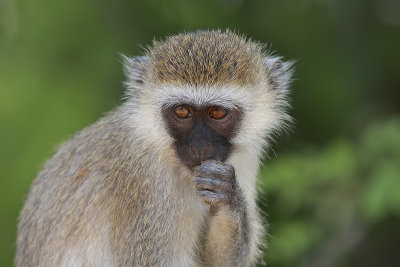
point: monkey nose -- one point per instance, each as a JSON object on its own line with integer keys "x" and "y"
{"x": 204, "y": 151}
{"x": 207, "y": 152}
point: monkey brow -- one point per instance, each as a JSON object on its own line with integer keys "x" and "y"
{"x": 172, "y": 96}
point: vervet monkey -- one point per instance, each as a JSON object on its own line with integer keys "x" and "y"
{"x": 169, "y": 177}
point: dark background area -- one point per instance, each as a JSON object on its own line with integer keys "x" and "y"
{"x": 330, "y": 190}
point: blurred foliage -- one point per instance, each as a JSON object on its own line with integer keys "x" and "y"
{"x": 323, "y": 203}
{"x": 332, "y": 193}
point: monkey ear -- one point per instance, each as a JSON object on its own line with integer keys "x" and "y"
{"x": 134, "y": 69}
{"x": 279, "y": 73}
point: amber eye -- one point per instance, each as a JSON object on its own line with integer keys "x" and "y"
{"x": 182, "y": 111}
{"x": 217, "y": 112}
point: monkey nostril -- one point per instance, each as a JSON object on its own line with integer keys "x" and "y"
{"x": 199, "y": 151}
{"x": 193, "y": 151}
{"x": 207, "y": 152}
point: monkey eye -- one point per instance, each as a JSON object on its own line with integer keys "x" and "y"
{"x": 183, "y": 111}
{"x": 217, "y": 112}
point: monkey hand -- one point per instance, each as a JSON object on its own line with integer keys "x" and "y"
{"x": 216, "y": 184}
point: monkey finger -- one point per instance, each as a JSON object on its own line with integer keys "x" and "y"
{"x": 212, "y": 184}
{"x": 215, "y": 169}
{"x": 212, "y": 198}
{"x": 215, "y": 166}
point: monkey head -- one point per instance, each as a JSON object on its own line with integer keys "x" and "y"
{"x": 208, "y": 94}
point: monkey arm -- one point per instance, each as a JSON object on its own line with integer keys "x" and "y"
{"x": 227, "y": 239}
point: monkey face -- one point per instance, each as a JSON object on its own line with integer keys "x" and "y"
{"x": 202, "y": 133}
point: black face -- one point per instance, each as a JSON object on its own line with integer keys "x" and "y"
{"x": 202, "y": 133}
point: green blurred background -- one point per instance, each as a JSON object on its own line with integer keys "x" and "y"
{"x": 331, "y": 188}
